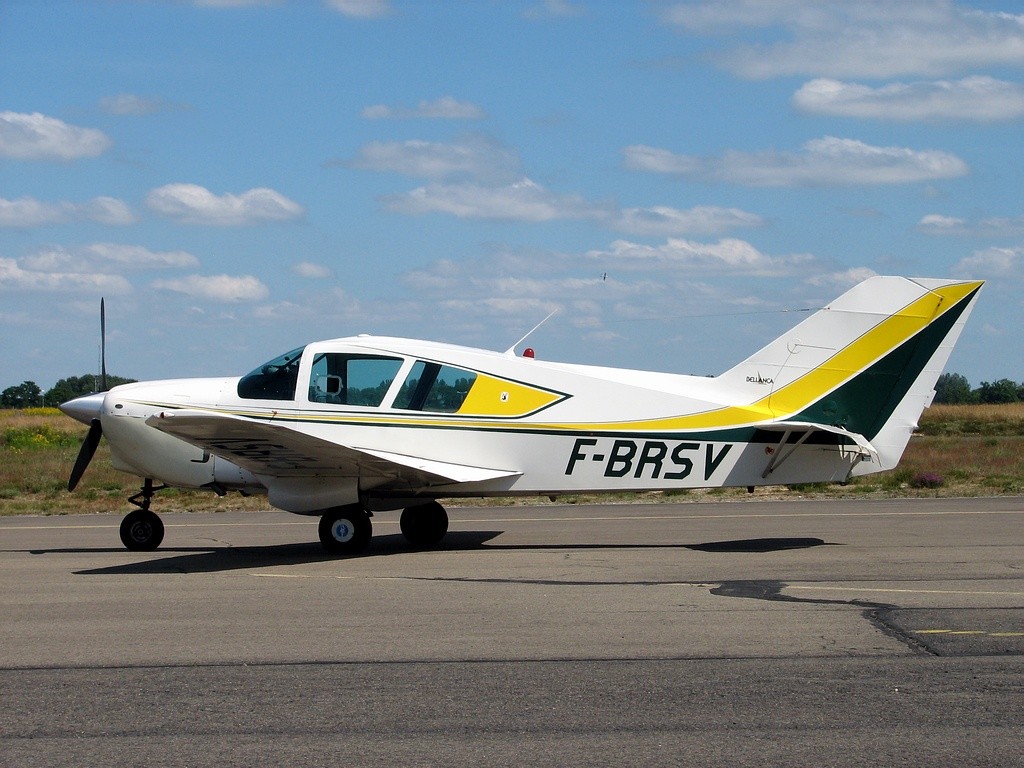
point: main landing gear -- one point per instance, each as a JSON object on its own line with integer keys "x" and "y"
{"x": 142, "y": 530}
{"x": 343, "y": 530}
{"x": 347, "y": 530}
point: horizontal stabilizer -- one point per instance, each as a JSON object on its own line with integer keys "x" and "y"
{"x": 803, "y": 430}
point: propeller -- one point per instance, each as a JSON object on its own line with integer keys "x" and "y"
{"x": 103, "y": 346}
{"x": 87, "y": 409}
{"x": 85, "y": 453}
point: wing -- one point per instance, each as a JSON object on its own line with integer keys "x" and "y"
{"x": 279, "y": 450}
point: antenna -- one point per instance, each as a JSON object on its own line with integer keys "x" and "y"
{"x": 103, "y": 346}
{"x": 511, "y": 350}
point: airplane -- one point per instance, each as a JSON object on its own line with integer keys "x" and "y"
{"x": 345, "y": 428}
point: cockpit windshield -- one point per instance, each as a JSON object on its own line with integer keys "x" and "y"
{"x": 274, "y": 380}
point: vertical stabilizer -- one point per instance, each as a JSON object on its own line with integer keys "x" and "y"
{"x": 866, "y": 363}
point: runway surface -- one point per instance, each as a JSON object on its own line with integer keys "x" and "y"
{"x": 741, "y": 633}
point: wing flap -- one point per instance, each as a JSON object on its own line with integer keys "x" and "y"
{"x": 279, "y": 450}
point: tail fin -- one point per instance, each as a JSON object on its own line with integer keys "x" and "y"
{"x": 866, "y": 363}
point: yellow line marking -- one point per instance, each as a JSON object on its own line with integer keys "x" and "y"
{"x": 908, "y": 591}
{"x": 966, "y": 632}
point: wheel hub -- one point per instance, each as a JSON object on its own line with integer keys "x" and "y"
{"x": 343, "y": 531}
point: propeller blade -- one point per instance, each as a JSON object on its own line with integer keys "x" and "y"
{"x": 103, "y": 346}
{"x": 85, "y": 453}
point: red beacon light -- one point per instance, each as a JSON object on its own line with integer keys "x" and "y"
{"x": 528, "y": 352}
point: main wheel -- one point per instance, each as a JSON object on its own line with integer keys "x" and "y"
{"x": 425, "y": 525}
{"x": 345, "y": 530}
{"x": 142, "y": 530}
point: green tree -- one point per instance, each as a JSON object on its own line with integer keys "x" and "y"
{"x": 24, "y": 395}
{"x": 1001, "y": 391}
{"x": 953, "y": 389}
{"x": 76, "y": 386}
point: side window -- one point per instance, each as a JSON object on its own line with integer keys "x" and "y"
{"x": 344, "y": 379}
{"x": 434, "y": 387}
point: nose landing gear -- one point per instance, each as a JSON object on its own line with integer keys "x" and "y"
{"x": 142, "y": 530}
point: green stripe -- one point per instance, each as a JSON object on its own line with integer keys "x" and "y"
{"x": 865, "y": 403}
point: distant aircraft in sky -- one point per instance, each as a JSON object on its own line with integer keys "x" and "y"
{"x": 345, "y": 428}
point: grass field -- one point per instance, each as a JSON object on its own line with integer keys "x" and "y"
{"x": 963, "y": 450}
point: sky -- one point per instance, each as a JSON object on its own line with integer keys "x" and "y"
{"x": 681, "y": 181}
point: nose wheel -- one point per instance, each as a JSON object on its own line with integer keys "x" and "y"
{"x": 142, "y": 530}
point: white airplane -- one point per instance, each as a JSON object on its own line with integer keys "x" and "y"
{"x": 348, "y": 427}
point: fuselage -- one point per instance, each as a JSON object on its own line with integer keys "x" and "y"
{"x": 553, "y": 428}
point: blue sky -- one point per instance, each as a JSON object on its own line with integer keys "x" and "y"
{"x": 675, "y": 178}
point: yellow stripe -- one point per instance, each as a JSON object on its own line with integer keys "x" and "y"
{"x": 490, "y": 396}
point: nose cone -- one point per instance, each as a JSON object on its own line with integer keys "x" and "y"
{"x": 85, "y": 408}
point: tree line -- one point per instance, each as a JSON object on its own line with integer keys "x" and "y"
{"x": 28, "y": 394}
{"x": 955, "y": 389}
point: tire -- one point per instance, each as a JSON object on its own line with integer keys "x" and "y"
{"x": 345, "y": 530}
{"x": 424, "y": 526}
{"x": 142, "y": 531}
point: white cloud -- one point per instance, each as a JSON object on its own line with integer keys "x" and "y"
{"x": 137, "y": 106}
{"x": 937, "y": 224}
{"x": 473, "y": 157}
{"x": 193, "y": 204}
{"x": 727, "y": 255}
{"x": 138, "y": 257}
{"x": 869, "y": 38}
{"x": 521, "y": 201}
{"x": 639, "y": 157}
{"x": 841, "y": 281}
{"x": 702, "y": 219}
{"x": 978, "y": 98}
{"x": 29, "y": 212}
{"x": 101, "y": 257}
{"x": 217, "y": 287}
{"x": 444, "y": 108}
{"x": 992, "y": 262}
{"x": 106, "y": 210}
{"x": 311, "y": 270}
{"x": 828, "y": 161}
{"x": 993, "y": 226}
{"x": 362, "y": 9}
{"x": 553, "y": 9}
{"x": 14, "y": 276}
{"x": 235, "y": 3}
{"x": 38, "y": 137}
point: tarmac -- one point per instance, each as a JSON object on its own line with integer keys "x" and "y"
{"x": 841, "y": 632}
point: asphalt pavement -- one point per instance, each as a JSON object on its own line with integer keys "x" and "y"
{"x": 740, "y": 633}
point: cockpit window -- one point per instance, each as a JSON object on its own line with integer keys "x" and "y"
{"x": 274, "y": 380}
{"x": 344, "y": 379}
{"x": 434, "y": 387}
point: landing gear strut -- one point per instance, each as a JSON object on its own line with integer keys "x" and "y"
{"x": 142, "y": 530}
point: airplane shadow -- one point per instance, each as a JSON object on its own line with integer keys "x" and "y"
{"x": 186, "y": 560}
